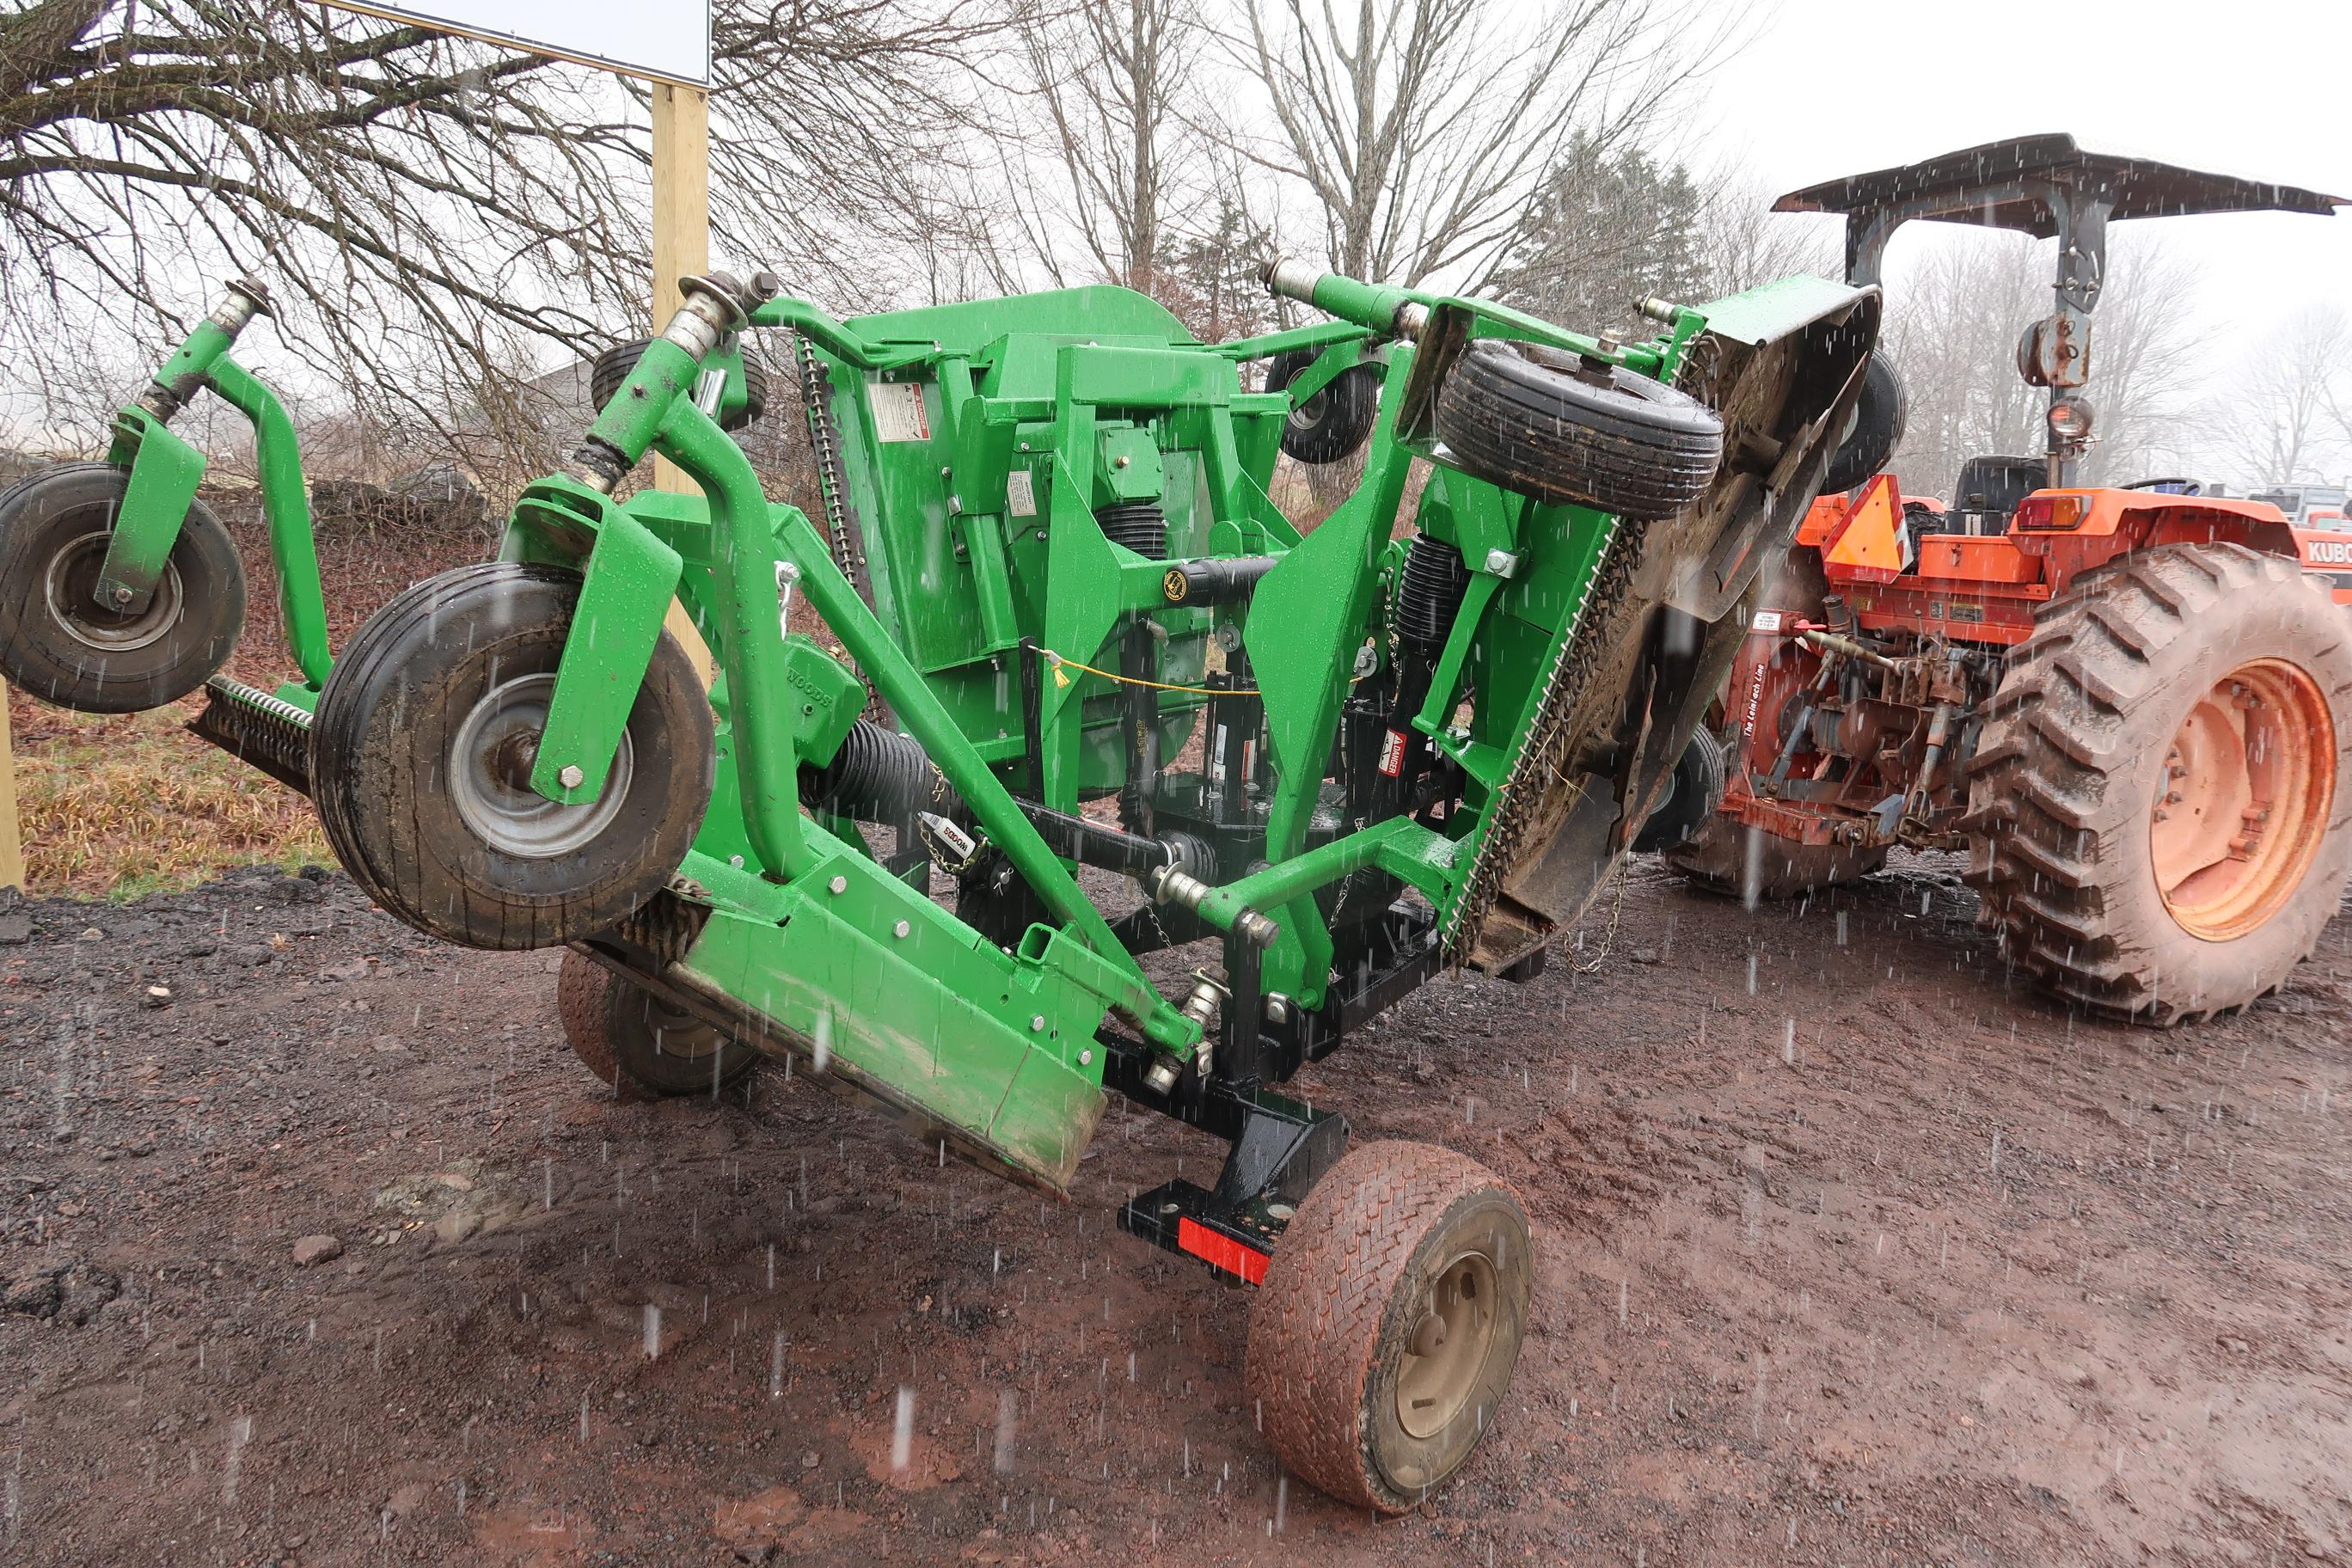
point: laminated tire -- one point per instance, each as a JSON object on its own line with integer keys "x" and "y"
{"x": 1700, "y": 773}
{"x": 612, "y": 367}
{"x": 421, "y": 751}
{"x": 1879, "y": 415}
{"x": 1548, "y": 424}
{"x": 58, "y": 644}
{"x": 1337, "y": 419}
{"x": 629, "y": 1039}
{"x": 1390, "y": 1317}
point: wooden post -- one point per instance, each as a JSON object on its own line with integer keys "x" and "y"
{"x": 681, "y": 248}
{"x": 12, "y": 843}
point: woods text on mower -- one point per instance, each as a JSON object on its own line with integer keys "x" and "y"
{"x": 1046, "y": 550}
{"x": 2130, "y": 705}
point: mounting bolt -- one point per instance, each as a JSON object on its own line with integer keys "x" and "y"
{"x": 838, "y": 885}
{"x": 901, "y": 929}
{"x": 1501, "y": 563}
{"x": 1037, "y": 1022}
{"x": 1277, "y": 1008}
{"x": 736, "y": 861}
{"x": 571, "y": 777}
{"x": 120, "y": 595}
{"x": 1087, "y": 1058}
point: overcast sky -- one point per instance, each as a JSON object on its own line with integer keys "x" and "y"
{"x": 2259, "y": 88}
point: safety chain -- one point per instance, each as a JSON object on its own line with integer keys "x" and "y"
{"x": 825, "y": 447}
{"x": 1608, "y": 940}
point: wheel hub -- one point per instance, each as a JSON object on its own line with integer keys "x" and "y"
{"x": 71, "y": 590}
{"x": 491, "y": 760}
{"x": 1448, "y": 1346}
{"x": 2248, "y": 784}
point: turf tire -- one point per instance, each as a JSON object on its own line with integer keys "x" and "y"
{"x": 383, "y": 766}
{"x": 1335, "y": 1319}
{"x": 55, "y": 641}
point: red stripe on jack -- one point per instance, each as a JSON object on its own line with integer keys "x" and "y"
{"x": 1221, "y": 1251}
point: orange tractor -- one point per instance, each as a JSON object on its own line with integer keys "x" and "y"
{"x": 2131, "y": 706}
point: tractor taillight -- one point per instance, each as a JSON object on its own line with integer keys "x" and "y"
{"x": 2051, "y": 511}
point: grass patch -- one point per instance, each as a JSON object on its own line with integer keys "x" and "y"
{"x": 121, "y": 806}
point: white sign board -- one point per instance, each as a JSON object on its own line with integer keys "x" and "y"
{"x": 668, "y": 42}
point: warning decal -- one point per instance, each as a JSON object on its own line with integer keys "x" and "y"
{"x": 897, "y": 409}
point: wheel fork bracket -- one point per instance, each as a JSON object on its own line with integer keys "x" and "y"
{"x": 164, "y": 474}
{"x": 631, "y": 578}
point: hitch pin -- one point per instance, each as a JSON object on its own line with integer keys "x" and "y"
{"x": 786, "y": 575}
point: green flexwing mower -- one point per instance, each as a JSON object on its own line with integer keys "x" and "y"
{"x": 1073, "y": 648}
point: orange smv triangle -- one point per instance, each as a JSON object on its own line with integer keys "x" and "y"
{"x": 1871, "y": 546}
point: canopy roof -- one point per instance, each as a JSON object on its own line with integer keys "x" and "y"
{"x": 1995, "y": 185}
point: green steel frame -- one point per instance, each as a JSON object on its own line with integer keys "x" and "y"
{"x": 979, "y": 445}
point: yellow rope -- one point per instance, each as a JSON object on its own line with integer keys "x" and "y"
{"x": 1060, "y": 659}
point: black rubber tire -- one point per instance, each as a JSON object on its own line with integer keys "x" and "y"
{"x": 1340, "y": 1305}
{"x": 2075, "y": 749}
{"x": 1879, "y": 416}
{"x": 1337, "y": 420}
{"x": 611, "y": 368}
{"x": 1699, "y": 778}
{"x": 56, "y": 644}
{"x": 1534, "y": 420}
{"x": 627, "y": 1038}
{"x": 383, "y": 771}
{"x": 1736, "y": 861}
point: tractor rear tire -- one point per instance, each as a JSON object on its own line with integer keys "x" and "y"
{"x": 1545, "y": 423}
{"x": 423, "y": 744}
{"x": 1746, "y": 863}
{"x": 56, "y": 641}
{"x": 1384, "y": 1335}
{"x": 1337, "y": 419}
{"x": 632, "y": 1040}
{"x": 2155, "y": 822}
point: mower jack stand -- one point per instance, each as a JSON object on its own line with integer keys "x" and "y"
{"x": 1280, "y": 1148}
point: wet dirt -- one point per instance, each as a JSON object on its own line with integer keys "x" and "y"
{"x": 1850, "y": 1252}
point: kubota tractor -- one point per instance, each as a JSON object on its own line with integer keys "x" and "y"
{"x": 2130, "y": 705}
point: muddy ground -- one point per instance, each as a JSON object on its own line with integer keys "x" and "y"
{"x": 1850, "y": 1253}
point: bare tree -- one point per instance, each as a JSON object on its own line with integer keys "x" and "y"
{"x": 1420, "y": 128}
{"x": 1743, "y": 243}
{"x": 1953, "y": 320}
{"x": 1112, "y": 79}
{"x": 438, "y": 216}
{"x": 2282, "y": 422}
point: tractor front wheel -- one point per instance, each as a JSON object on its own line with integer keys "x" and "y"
{"x": 2155, "y": 820}
{"x": 422, "y": 750}
{"x": 59, "y": 644}
{"x": 633, "y": 1040}
{"x": 1384, "y": 1335}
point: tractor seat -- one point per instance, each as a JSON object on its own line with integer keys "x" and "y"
{"x": 1989, "y": 489}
